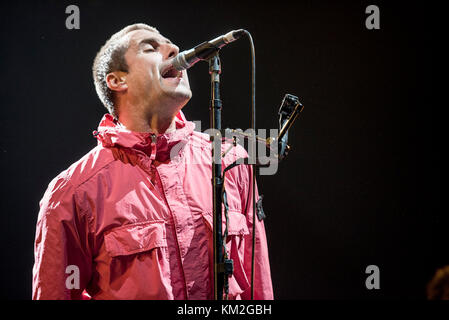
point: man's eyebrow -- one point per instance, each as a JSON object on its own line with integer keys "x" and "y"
{"x": 153, "y": 41}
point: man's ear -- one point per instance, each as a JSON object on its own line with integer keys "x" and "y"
{"x": 116, "y": 81}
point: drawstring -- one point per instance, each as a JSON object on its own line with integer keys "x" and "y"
{"x": 153, "y": 147}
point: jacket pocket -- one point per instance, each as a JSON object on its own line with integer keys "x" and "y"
{"x": 135, "y": 238}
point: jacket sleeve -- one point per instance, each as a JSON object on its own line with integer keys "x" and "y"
{"x": 62, "y": 258}
{"x": 263, "y": 289}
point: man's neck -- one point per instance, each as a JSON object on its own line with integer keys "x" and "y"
{"x": 154, "y": 123}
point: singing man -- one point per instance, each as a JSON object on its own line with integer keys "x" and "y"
{"x": 132, "y": 219}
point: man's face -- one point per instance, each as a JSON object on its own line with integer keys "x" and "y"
{"x": 150, "y": 80}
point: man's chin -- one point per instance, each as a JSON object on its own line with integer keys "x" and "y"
{"x": 181, "y": 94}
{"x": 175, "y": 100}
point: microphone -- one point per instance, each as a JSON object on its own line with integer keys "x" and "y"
{"x": 203, "y": 51}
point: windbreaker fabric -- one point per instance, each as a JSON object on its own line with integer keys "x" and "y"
{"x": 134, "y": 217}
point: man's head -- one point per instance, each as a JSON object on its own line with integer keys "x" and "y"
{"x": 132, "y": 69}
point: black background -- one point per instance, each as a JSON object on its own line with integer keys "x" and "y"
{"x": 361, "y": 185}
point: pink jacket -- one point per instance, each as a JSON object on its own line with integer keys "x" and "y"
{"x": 138, "y": 225}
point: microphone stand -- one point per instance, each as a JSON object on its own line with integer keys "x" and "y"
{"x": 223, "y": 268}
{"x": 290, "y": 108}
{"x": 217, "y": 178}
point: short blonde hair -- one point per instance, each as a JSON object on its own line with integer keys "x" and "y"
{"x": 110, "y": 58}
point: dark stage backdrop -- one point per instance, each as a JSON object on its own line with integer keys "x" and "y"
{"x": 361, "y": 184}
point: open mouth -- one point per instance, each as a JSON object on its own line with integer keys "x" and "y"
{"x": 171, "y": 72}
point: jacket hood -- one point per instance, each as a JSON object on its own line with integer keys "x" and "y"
{"x": 111, "y": 133}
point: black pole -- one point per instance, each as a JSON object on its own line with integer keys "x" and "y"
{"x": 217, "y": 178}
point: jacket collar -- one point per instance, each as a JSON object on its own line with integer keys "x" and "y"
{"x": 111, "y": 133}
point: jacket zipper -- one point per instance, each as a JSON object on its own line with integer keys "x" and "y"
{"x": 178, "y": 250}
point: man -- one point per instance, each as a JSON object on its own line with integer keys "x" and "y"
{"x": 132, "y": 219}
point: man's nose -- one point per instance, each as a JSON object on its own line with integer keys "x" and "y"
{"x": 171, "y": 50}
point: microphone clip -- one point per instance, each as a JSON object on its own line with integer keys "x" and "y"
{"x": 206, "y": 50}
{"x": 289, "y": 111}
{"x": 278, "y": 146}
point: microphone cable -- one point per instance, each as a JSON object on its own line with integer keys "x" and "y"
{"x": 253, "y": 166}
